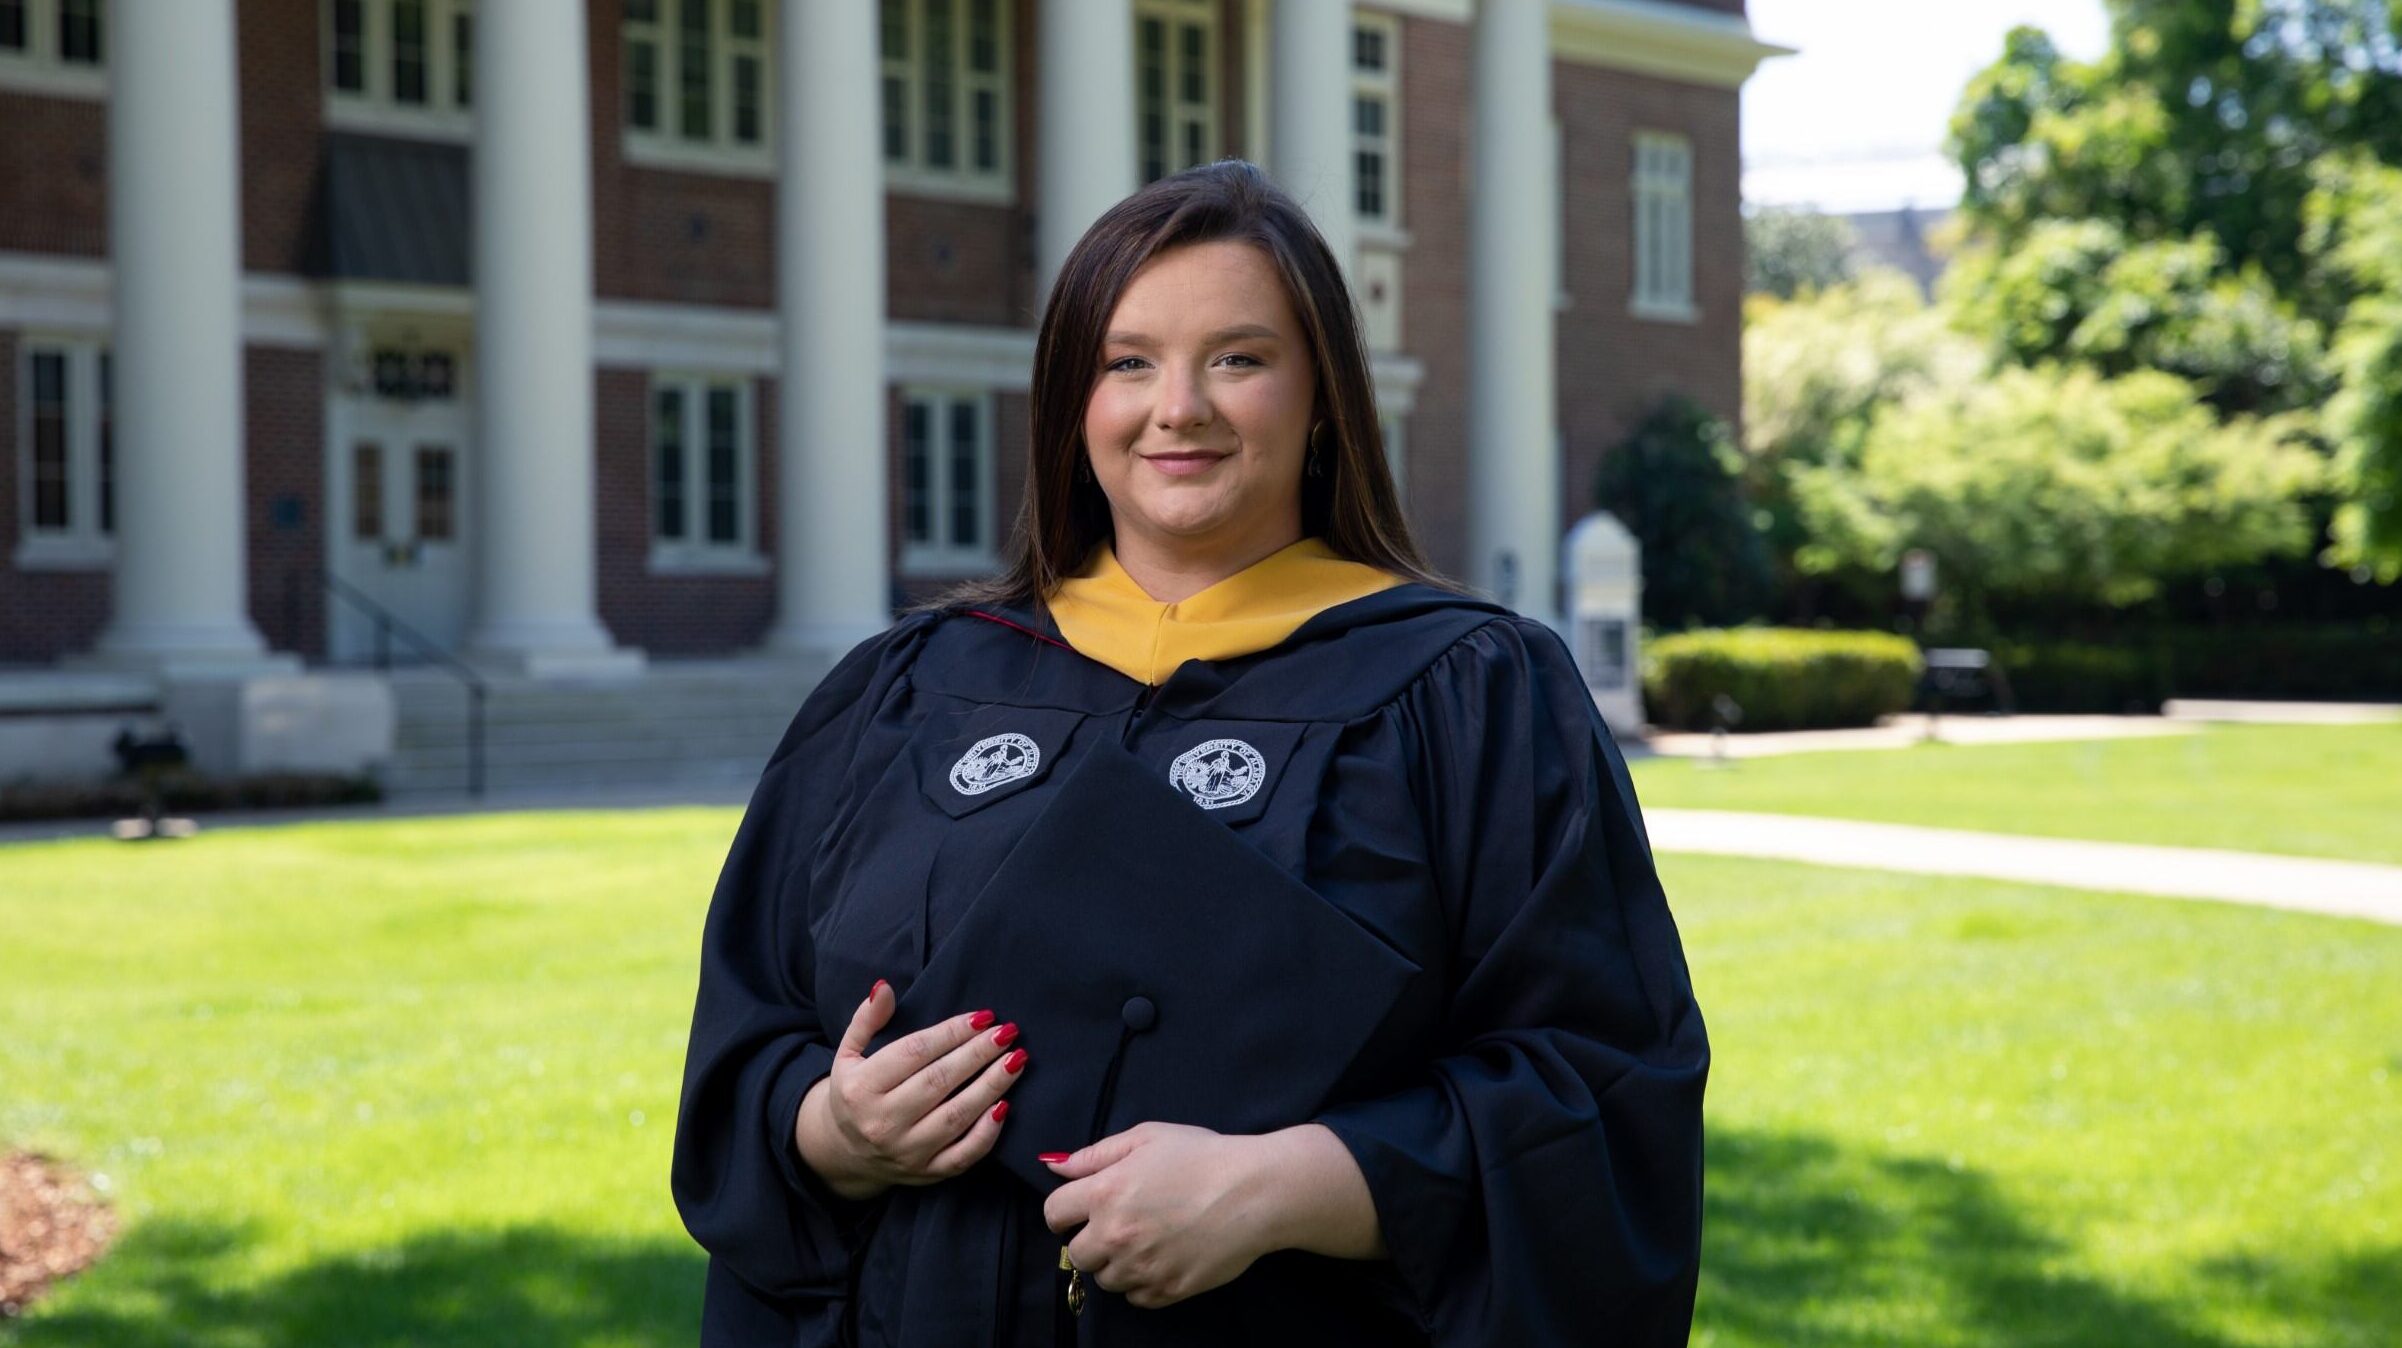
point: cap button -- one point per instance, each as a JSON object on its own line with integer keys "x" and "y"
{"x": 1140, "y": 1014}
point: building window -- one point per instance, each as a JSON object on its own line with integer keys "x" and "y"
{"x": 54, "y": 46}
{"x": 1175, "y": 85}
{"x": 400, "y": 65}
{"x": 703, "y": 441}
{"x": 947, "y": 481}
{"x": 66, "y": 458}
{"x": 946, "y": 95}
{"x": 1663, "y": 200}
{"x": 1375, "y": 112}
{"x": 698, "y": 86}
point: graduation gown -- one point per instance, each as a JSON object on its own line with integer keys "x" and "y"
{"x": 1387, "y": 875}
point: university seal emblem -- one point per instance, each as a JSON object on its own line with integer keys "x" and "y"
{"x": 995, "y": 760}
{"x": 1219, "y": 773}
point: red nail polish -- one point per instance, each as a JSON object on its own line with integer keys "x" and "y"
{"x": 1000, "y": 1111}
{"x": 879, "y": 987}
{"x": 979, "y": 1020}
{"x": 1052, "y": 1157}
{"x": 1005, "y": 1034}
{"x": 1014, "y": 1063}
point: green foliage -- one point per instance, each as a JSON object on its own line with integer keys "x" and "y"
{"x": 1815, "y": 373}
{"x": 2057, "y": 483}
{"x": 1673, "y": 484}
{"x": 1791, "y": 251}
{"x": 2079, "y": 290}
{"x": 1781, "y": 678}
{"x": 2205, "y": 116}
{"x": 2357, "y": 234}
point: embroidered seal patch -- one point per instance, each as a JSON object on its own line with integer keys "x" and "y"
{"x": 1219, "y": 773}
{"x": 995, "y": 760}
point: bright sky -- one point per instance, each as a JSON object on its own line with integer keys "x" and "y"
{"x": 1855, "y": 121}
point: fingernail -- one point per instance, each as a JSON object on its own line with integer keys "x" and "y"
{"x": 979, "y": 1020}
{"x": 1015, "y": 1062}
{"x": 1049, "y": 1157}
{"x": 879, "y": 987}
{"x": 1000, "y": 1111}
{"x": 1005, "y": 1034}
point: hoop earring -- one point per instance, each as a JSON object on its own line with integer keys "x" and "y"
{"x": 1312, "y": 463}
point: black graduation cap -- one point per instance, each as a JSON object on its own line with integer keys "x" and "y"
{"x": 1158, "y": 967}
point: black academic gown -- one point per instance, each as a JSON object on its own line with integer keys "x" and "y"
{"x": 1388, "y": 875}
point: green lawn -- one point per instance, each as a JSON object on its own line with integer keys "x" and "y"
{"x": 2323, "y": 791}
{"x": 414, "y": 1082}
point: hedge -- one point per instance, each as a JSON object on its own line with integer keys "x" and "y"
{"x": 1781, "y": 678}
{"x": 183, "y": 790}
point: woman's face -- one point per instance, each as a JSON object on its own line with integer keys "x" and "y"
{"x": 1201, "y": 411}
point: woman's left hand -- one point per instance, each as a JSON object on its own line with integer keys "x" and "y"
{"x": 1169, "y": 1210}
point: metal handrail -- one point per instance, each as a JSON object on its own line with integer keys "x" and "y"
{"x": 386, "y": 624}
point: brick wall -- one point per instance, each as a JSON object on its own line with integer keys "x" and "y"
{"x": 53, "y": 175}
{"x": 1613, "y": 365}
{"x": 282, "y": 97}
{"x": 283, "y": 400}
{"x": 1434, "y": 283}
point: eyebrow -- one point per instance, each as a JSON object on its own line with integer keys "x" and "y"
{"x": 1211, "y": 339}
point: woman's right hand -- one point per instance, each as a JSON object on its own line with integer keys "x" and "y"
{"x": 892, "y": 1117}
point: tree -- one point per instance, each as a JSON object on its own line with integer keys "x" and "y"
{"x": 2204, "y": 116}
{"x": 1672, "y": 483}
{"x": 2080, "y": 290}
{"x": 2056, "y": 484}
{"x": 1790, "y": 251}
{"x": 1817, "y": 370}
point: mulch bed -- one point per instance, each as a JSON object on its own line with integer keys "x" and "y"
{"x": 52, "y": 1226}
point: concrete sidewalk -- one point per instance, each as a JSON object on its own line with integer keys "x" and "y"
{"x": 2303, "y": 884}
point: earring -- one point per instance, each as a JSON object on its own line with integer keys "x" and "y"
{"x": 1084, "y": 469}
{"x": 1310, "y": 465}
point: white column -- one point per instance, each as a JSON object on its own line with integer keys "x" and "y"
{"x": 1309, "y": 69}
{"x": 1514, "y": 525}
{"x": 534, "y": 597}
{"x": 832, "y": 567}
{"x": 175, "y": 245}
{"x": 1085, "y": 69}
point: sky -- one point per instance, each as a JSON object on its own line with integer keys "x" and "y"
{"x": 1856, "y": 120}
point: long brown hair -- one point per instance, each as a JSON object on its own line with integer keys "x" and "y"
{"x": 1352, "y": 504}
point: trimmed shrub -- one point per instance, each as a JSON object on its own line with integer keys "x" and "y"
{"x": 1782, "y": 678}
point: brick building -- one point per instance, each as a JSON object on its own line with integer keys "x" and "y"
{"x": 451, "y": 221}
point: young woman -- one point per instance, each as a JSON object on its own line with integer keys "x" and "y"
{"x": 1218, "y": 927}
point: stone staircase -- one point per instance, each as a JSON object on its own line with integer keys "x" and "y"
{"x": 677, "y": 725}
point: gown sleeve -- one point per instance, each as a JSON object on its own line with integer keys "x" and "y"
{"x": 757, "y": 1043}
{"x": 1538, "y": 1181}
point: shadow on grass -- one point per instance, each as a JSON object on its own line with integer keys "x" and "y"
{"x": 523, "y": 1285}
{"x": 1808, "y": 1242}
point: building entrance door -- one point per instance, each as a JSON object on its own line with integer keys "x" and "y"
{"x": 399, "y": 482}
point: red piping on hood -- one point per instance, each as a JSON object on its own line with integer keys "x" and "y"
{"x": 994, "y": 617}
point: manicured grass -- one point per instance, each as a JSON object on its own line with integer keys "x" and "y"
{"x": 414, "y": 1082}
{"x": 2323, "y": 791}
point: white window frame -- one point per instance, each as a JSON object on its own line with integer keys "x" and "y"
{"x": 441, "y": 116}
{"x": 1180, "y": 115}
{"x": 941, "y": 557}
{"x": 1661, "y": 286}
{"x": 695, "y": 552}
{"x": 961, "y": 181}
{"x": 1383, "y": 86}
{"x": 81, "y": 545}
{"x": 666, "y": 146}
{"x": 40, "y": 68}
